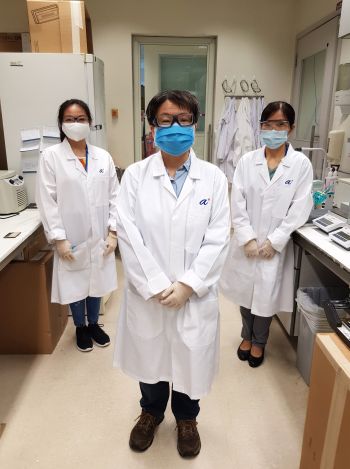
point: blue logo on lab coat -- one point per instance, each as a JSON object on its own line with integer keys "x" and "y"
{"x": 289, "y": 182}
{"x": 204, "y": 202}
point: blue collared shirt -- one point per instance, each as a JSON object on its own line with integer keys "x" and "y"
{"x": 179, "y": 179}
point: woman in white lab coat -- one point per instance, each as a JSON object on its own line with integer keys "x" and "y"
{"x": 76, "y": 195}
{"x": 173, "y": 231}
{"x": 271, "y": 198}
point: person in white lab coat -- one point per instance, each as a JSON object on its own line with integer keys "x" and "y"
{"x": 271, "y": 198}
{"x": 76, "y": 196}
{"x": 173, "y": 231}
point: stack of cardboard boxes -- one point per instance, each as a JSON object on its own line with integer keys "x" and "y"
{"x": 59, "y": 26}
{"x": 327, "y": 426}
{"x": 54, "y": 26}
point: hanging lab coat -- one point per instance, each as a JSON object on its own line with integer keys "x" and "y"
{"x": 162, "y": 239}
{"x": 256, "y": 108}
{"x": 244, "y": 139}
{"x": 79, "y": 206}
{"x": 225, "y": 134}
{"x": 264, "y": 209}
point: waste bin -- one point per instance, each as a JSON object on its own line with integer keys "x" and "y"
{"x": 313, "y": 320}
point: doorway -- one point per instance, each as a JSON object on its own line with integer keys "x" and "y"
{"x": 161, "y": 63}
{"x": 313, "y": 88}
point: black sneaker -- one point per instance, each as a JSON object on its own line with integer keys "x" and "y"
{"x": 99, "y": 336}
{"x": 84, "y": 342}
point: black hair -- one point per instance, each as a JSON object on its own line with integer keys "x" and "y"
{"x": 183, "y": 99}
{"x": 66, "y": 105}
{"x": 275, "y": 106}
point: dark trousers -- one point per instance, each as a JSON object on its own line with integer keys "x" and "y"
{"x": 155, "y": 398}
{"x": 255, "y": 328}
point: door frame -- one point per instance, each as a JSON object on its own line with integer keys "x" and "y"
{"x": 327, "y": 117}
{"x": 211, "y": 43}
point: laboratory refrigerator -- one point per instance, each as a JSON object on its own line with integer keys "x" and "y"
{"x": 32, "y": 87}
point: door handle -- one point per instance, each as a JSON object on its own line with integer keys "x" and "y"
{"x": 210, "y": 143}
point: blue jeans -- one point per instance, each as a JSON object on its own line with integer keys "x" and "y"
{"x": 92, "y": 306}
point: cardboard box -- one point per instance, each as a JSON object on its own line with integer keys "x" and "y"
{"x": 327, "y": 426}
{"x": 14, "y": 42}
{"x": 30, "y": 323}
{"x": 59, "y": 26}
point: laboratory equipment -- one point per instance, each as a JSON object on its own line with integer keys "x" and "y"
{"x": 333, "y": 155}
{"x": 340, "y": 326}
{"x": 342, "y": 237}
{"x": 342, "y": 99}
{"x": 342, "y": 196}
{"x": 13, "y": 194}
{"x": 32, "y": 87}
{"x": 329, "y": 222}
{"x": 335, "y": 146}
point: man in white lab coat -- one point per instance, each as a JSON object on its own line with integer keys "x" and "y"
{"x": 271, "y": 198}
{"x": 173, "y": 230}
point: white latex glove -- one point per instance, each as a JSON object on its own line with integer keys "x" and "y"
{"x": 176, "y": 295}
{"x": 251, "y": 248}
{"x": 111, "y": 244}
{"x": 266, "y": 250}
{"x": 64, "y": 249}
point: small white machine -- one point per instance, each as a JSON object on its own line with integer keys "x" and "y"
{"x": 329, "y": 222}
{"x": 13, "y": 194}
{"x": 342, "y": 192}
{"x": 342, "y": 237}
{"x": 342, "y": 99}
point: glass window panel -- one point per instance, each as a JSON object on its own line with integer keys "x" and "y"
{"x": 310, "y": 94}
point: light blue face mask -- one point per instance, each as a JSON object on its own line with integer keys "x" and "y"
{"x": 273, "y": 138}
{"x": 174, "y": 140}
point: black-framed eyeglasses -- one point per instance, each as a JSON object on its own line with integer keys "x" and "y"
{"x": 79, "y": 119}
{"x": 184, "y": 119}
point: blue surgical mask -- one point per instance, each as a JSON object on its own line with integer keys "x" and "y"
{"x": 174, "y": 140}
{"x": 273, "y": 138}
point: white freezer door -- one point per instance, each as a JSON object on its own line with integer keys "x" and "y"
{"x": 32, "y": 87}
{"x": 96, "y": 100}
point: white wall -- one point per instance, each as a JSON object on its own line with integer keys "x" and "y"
{"x": 309, "y": 12}
{"x": 254, "y": 38}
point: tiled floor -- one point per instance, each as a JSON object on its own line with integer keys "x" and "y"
{"x": 73, "y": 410}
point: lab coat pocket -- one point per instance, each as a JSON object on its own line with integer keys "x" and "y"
{"x": 197, "y": 224}
{"x": 101, "y": 191}
{"x": 280, "y": 209}
{"x": 198, "y": 322}
{"x": 144, "y": 318}
{"x": 81, "y": 259}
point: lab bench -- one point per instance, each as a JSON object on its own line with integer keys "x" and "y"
{"x": 28, "y": 224}
{"x": 328, "y": 265}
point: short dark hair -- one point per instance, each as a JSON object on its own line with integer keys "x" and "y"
{"x": 275, "y": 106}
{"x": 183, "y": 99}
{"x": 66, "y": 105}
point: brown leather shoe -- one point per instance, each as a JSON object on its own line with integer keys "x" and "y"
{"x": 188, "y": 440}
{"x": 141, "y": 436}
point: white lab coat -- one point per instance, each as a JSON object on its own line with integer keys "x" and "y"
{"x": 80, "y": 207}
{"x": 162, "y": 239}
{"x": 264, "y": 209}
{"x": 244, "y": 139}
{"x": 225, "y": 134}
